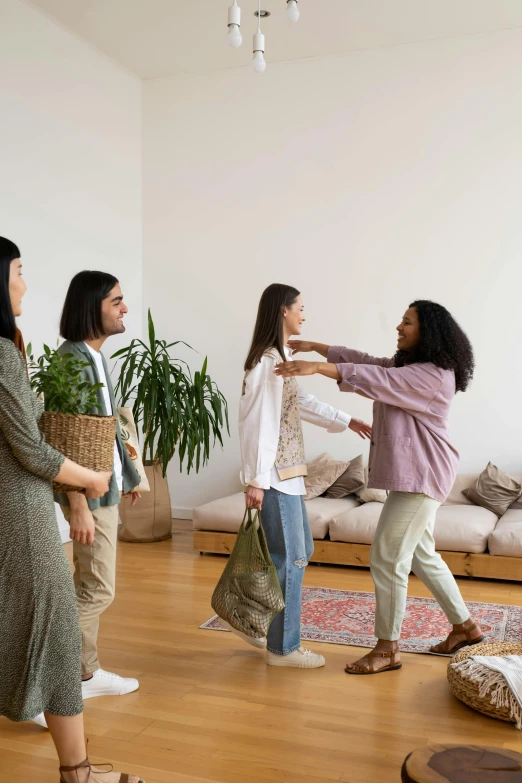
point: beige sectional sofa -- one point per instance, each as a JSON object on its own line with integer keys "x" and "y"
{"x": 472, "y": 540}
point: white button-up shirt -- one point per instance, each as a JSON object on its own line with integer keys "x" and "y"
{"x": 259, "y": 424}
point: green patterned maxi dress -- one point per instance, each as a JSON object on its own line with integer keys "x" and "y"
{"x": 40, "y": 640}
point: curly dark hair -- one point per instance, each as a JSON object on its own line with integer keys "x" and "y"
{"x": 442, "y": 342}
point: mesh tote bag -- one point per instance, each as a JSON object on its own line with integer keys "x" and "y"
{"x": 248, "y": 595}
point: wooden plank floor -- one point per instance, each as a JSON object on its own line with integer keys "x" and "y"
{"x": 209, "y": 710}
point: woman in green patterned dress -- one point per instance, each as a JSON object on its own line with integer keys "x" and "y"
{"x": 40, "y": 640}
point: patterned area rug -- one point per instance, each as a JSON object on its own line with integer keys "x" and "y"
{"x": 346, "y": 617}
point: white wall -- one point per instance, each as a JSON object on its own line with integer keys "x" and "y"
{"x": 366, "y": 180}
{"x": 70, "y": 192}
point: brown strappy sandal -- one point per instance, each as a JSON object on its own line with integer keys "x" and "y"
{"x": 124, "y": 778}
{"x": 449, "y": 652}
{"x": 369, "y": 668}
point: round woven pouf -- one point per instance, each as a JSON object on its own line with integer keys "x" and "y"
{"x": 468, "y": 692}
{"x": 462, "y": 764}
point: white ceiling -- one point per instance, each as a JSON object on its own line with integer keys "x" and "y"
{"x": 156, "y": 38}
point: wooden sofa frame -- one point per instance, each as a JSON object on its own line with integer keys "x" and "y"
{"x": 340, "y": 553}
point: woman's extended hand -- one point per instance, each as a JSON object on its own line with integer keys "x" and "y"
{"x": 254, "y": 497}
{"x": 304, "y": 346}
{"x": 289, "y": 369}
{"x": 361, "y": 428}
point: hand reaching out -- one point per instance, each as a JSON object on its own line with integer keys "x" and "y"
{"x": 305, "y": 346}
{"x": 361, "y": 428}
{"x": 300, "y": 346}
{"x": 289, "y": 369}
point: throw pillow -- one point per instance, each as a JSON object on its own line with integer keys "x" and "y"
{"x": 371, "y": 495}
{"x": 323, "y": 471}
{"x": 349, "y": 482}
{"x": 517, "y": 504}
{"x": 494, "y": 490}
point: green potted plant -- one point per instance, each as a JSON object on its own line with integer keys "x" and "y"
{"x": 177, "y": 412}
{"x": 65, "y": 423}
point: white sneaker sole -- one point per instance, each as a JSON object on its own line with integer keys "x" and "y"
{"x": 94, "y": 693}
{"x": 253, "y": 641}
{"x": 284, "y": 660}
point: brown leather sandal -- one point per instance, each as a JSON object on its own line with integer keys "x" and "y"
{"x": 124, "y": 778}
{"x": 448, "y": 652}
{"x": 369, "y": 668}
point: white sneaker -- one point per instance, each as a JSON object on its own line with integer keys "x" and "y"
{"x": 104, "y": 683}
{"x": 299, "y": 659}
{"x": 254, "y": 641}
{"x": 40, "y": 720}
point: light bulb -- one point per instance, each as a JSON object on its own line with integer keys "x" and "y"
{"x": 234, "y": 37}
{"x": 259, "y": 62}
{"x": 292, "y": 11}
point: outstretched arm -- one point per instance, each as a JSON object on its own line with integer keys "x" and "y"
{"x": 304, "y": 346}
{"x": 336, "y": 354}
{"x": 299, "y": 368}
{"x": 333, "y": 420}
{"x": 412, "y": 387}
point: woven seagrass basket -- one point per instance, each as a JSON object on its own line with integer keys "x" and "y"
{"x": 85, "y": 439}
{"x": 468, "y": 692}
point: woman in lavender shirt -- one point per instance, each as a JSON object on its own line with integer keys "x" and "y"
{"x": 411, "y": 456}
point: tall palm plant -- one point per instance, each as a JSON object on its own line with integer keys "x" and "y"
{"x": 175, "y": 410}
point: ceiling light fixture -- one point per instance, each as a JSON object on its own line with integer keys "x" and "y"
{"x": 292, "y": 10}
{"x": 235, "y": 39}
{"x": 259, "y": 62}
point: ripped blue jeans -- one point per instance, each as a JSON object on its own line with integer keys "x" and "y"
{"x": 291, "y": 545}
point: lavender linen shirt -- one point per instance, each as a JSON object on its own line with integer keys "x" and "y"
{"x": 410, "y": 448}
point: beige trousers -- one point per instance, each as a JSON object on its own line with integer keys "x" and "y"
{"x": 95, "y": 580}
{"x": 404, "y": 542}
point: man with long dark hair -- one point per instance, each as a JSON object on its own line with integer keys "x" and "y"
{"x": 93, "y": 311}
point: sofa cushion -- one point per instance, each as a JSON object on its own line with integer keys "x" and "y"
{"x": 226, "y": 514}
{"x": 456, "y": 496}
{"x": 494, "y": 490}
{"x": 323, "y": 471}
{"x": 358, "y": 525}
{"x": 506, "y": 539}
{"x": 462, "y": 528}
{"x": 349, "y": 482}
{"x": 321, "y": 511}
{"x": 366, "y": 495}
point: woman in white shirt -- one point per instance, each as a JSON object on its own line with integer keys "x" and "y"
{"x": 273, "y": 463}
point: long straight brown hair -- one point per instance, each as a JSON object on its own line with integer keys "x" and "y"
{"x": 268, "y": 331}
